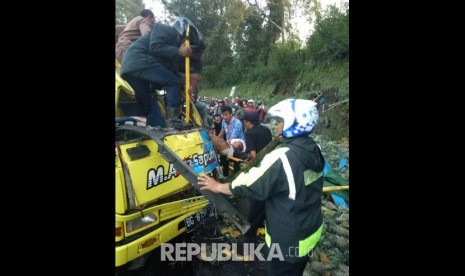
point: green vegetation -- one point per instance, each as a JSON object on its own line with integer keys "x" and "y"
{"x": 125, "y": 10}
{"x": 319, "y": 68}
{"x": 255, "y": 49}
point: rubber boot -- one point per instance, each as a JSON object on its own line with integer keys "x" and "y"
{"x": 173, "y": 121}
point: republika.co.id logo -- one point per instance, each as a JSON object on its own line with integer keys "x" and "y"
{"x": 217, "y": 252}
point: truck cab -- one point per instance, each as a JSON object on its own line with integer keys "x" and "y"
{"x": 153, "y": 199}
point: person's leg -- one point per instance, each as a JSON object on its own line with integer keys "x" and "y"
{"x": 146, "y": 102}
{"x": 202, "y": 109}
{"x": 163, "y": 76}
{"x": 220, "y": 145}
{"x": 172, "y": 83}
{"x": 237, "y": 167}
{"x": 142, "y": 90}
{"x": 194, "y": 78}
{"x": 278, "y": 268}
{"x": 225, "y": 164}
{"x": 156, "y": 115}
{"x": 223, "y": 148}
{"x": 155, "y": 118}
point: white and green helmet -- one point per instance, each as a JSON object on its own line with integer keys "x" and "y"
{"x": 300, "y": 116}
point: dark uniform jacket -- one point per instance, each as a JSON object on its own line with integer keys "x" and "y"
{"x": 290, "y": 179}
{"x": 159, "y": 47}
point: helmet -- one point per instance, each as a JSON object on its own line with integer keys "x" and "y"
{"x": 180, "y": 24}
{"x": 300, "y": 116}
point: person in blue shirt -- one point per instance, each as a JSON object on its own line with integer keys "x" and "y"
{"x": 231, "y": 128}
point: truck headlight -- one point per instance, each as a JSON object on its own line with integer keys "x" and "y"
{"x": 140, "y": 222}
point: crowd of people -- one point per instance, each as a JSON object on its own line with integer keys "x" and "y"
{"x": 233, "y": 119}
{"x": 214, "y": 106}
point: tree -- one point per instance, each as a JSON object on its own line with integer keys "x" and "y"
{"x": 126, "y": 10}
{"x": 216, "y": 21}
{"x": 280, "y": 13}
{"x": 330, "y": 40}
{"x": 248, "y": 40}
{"x": 285, "y": 63}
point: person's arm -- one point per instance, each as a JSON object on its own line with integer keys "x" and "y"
{"x": 221, "y": 134}
{"x": 197, "y": 50}
{"x": 259, "y": 183}
{"x": 118, "y": 30}
{"x": 145, "y": 26}
{"x": 208, "y": 183}
{"x": 252, "y": 155}
{"x": 250, "y": 143}
{"x": 184, "y": 51}
{"x": 196, "y": 65}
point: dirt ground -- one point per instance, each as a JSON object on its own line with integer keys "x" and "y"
{"x": 330, "y": 256}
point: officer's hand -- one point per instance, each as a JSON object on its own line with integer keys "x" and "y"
{"x": 185, "y": 51}
{"x": 208, "y": 183}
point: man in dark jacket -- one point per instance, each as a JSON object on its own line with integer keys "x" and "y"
{"x": 154, "y": 58}
{"x": 290, "y": 180}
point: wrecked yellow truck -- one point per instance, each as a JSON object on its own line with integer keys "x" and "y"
{"x": 156, "y": 193}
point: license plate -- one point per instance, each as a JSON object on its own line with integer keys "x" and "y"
{"x": 193, "y": 221}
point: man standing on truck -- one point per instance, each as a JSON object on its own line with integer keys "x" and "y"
{"x": 137, "y": 27}
{"x": 290, "y": 180}
{"x": 154, "y": 58}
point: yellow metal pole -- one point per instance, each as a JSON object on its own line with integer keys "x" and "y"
{"x": 334, "y": 188}
{"x": 188, "y": 79}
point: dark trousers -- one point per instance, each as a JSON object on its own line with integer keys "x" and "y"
{"x": 203, "y": 112}
{"x": 162, "y": 76}
{"x": 147, "y": 101}
{"x": 255, "y": 215}
{"x": 225, "y": 164}
{"x": 237, "y": 167}
{"x": 278, "y": 268}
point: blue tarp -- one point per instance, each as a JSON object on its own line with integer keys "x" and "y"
{"x": 333, "y": 178}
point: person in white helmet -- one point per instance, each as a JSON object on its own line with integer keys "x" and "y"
{"x": 290, "y": 180}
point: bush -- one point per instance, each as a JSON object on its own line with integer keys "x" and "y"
{"x": 330, "y": 40}
{"x": 285, "y": 62}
